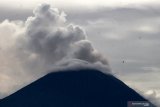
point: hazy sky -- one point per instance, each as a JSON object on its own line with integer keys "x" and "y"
{"x": 75, "y": 3}
{"x": 125, "y": 31}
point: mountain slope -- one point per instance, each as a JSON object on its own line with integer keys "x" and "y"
{"x": 81, "y": 88}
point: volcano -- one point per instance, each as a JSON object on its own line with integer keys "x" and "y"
{"x": 74, "y": 88}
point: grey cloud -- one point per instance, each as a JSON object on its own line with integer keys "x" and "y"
{"x": 87, "y": 52}
{"x": 118, "y": 15}
{"x": 14, "y": 14}
{"x": 129, "y": 37}
{"x": 48, "y": 36}
{"x": 123, "y": 40}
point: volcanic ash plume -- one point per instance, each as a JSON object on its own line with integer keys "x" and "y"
{"x": 45, "y": 41}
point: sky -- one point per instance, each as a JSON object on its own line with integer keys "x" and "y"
{"x": 125, "y": 32}
{"x": 73, "y": 3}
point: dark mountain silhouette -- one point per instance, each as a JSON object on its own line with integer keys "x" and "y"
{"x": 74, "y": 88}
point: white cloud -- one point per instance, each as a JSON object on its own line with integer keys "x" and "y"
{"x": 148, "y": 29}
{"x": 152, "y": 69}
{"x": 154, "y": 97}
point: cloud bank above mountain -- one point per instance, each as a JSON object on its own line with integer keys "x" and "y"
{"x": 45, "y": 41}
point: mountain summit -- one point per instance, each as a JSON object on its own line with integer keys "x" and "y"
{"x": 74, "y": 88}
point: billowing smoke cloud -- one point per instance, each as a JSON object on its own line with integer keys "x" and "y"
{"x": 45, "y": 41}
